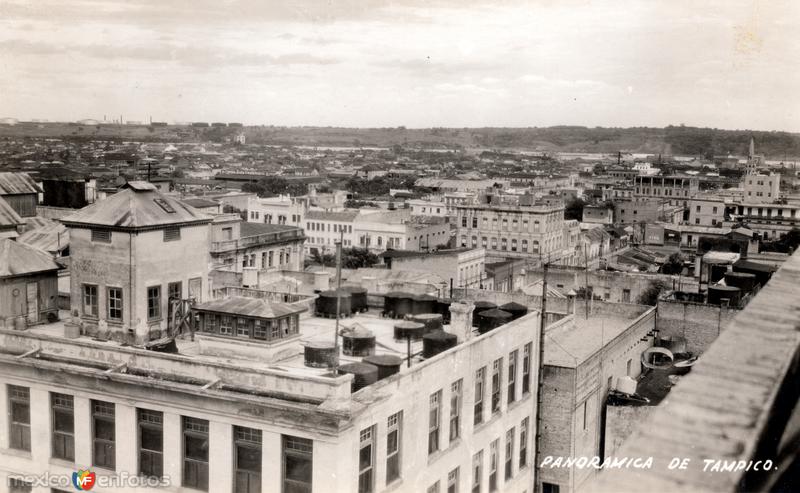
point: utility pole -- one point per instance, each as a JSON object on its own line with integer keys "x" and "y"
{"x": 540, "y": 388}
{"x": 338, "y": 298}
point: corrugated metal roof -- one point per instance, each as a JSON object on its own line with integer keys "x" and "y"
{"x": 344, "y": 216}
{"x": 249, "y": 307}
{"x": 17, "y": 259}
{"x": 17, "y": 183}
{"x": 134, "y": 208}
{"x": 46, "y": 235}
{"x": 8, "y": 216}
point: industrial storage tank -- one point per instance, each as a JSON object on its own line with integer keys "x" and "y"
{"x": 436, "y": 342}
{"x": 516, "y": 310}
{"x": 431, "y": 321}
{"x": 358, "y": 298}
{"x": 491, "y": 319}
{"x": 423, "y": 303}
{"x": 387, "y": 364}
{"x": 443, "y": 309}
{"x": 363, "y": 374}
{"x": 481, "y": 306}
{"x": 404, "y": 305}
{"x": 742, "y": 280}
{"x": 414, "y": 330}
{"x": 358, "y": 341}
{"x": 325, "y": 305}
{"x": 390, "y": 303}
{"x": 319, "y": 354}
{"x": 717, "y": 293}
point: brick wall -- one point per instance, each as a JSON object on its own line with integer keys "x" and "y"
{"x": 699, "y": 323}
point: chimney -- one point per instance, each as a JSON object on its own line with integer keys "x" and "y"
{"x": 461, "y": 320}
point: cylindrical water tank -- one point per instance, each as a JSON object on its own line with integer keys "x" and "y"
{"x": 363, "y": 374}
{"x": 742, "y": 280}
{"x": 387, "y": 364}
{"x": 390, "y": 303}
{"x": 431, "y": 321}
{"x": 718, "y": 293}
{"x": 404, "y": 305}
{"x": 436, "y": 342}
{"x": 516, "y": 310}
{"x": 319, "y": 354}
{"x": 481, "y": 306}
{"x": 423, "y": 303}
{"x": 326, "y": 303}
{"x": 491, "y": 319}
{"x": 676, "y": 344}
{"x": 405, "y": 329}
{"x": 443, "y": 309}
{"x": 358, "y": 298}
{"x": 358, "y": 342}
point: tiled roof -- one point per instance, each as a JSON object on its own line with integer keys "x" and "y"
{"x": 138, "y": 206}
{"x": 17, "y": 259}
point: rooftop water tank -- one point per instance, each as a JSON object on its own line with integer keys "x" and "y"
{"x": 363, "y": 374}
{"x": 742, "y": 280}
{"x": 387, "y": 364}
{"x": 436, "y": 342}
{"x": 491, "y": 319}
{"x": 431, "y": 321}
{"x": 326, "y": 303}
{"x": 358, "y": 301}
{"x": 358, "y": 341}
{"x": 423, "y": 303}
{"x": 516, "y": 310}
{"x": 481, "y": 306}
{"x": 405, "y": 329}
{"x": 716, "y": 295}
{"x": 319, "y": 354}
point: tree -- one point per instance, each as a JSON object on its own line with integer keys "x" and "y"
{"x": 357, "y": 258}
{"x": 574, "y": 209}
{"x": 673, "y": 265}
{"x": 650, "y": 295}
{"x": 275, "y": 185}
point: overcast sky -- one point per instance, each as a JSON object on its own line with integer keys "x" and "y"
{"x": 457, "y": 63}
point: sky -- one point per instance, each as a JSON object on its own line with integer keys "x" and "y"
{"x": 731, "y": 64}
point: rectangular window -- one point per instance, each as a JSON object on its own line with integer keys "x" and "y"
{"x": 101, "y": 236}
{"x": 523, "y": 443}
{"x": 154, "y": 303}
{"x": 512, "y": 376}
{"x": 115, "y": 304}
{"x": 493, "y": 451}
{"x": 260, "y": 329}
{"x": 526, "y": 369}
{"x": 19, "y": 413}
{"x": 477, "y": 472}
{"x": 175, "y": 290}
{"x": 151, "y": 442}
{"x": 195, "y": 453}
{"x": 455, "y": 409}
{"x": 247, "y": 460}
{"x": 63, "y": 409}
{"x": 393, "y": 439}
{"x": 103, "y": 434}
{"x": 243, "y": 327}
{"x": 433, "y": 421}
{"x": 509, "y": 466}
{"x": 172, "y": 234}
{"x": 480, "y": 384}
{"x": 550, "y": 488}
{"x": 366, "y": 460}
{"x": 497, "y": 369}
{"x": 226, "y": 325}
{"x": 298, "y": 462}
{"x": 626, "y": 295}
{"x": 90, "y": 300}
{"x": 452, "y": 481}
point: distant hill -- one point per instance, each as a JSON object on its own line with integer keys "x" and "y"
{"x": 675, "y": 140}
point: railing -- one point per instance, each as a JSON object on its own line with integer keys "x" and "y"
{"x": 736, "y": 406}
{"x": 262, "y": 239}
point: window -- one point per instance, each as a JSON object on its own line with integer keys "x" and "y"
{"x": 115, "y": 304}
{"x": 628, "y": 368}
{"x": 626, "y": 295}
{"x": 463, "y": 221}
{"x": 526, "y": 369}
{"x": 513, "y": 245}
{"x": 247, "y": 460}
{"x": 509, "y": 466}
{"x": 260, "y": 329}
{"x": 433, "y": 422}
{"x": 523, "y": 443}
{"x": 524, "y": 245}
{"x": 175, "y": 290}
{"x": 63, "y": 408}
{"x": 584, "y": 415}
{"x": 366, "y": 460}
{"x": 393, "y": 437}
{"x": 104, "y": 436}
{"x": 101, "y": 236}
{"x": 493, "y": 464}
{"x": 480, "y": 383}
{"x": 477, "y": 472}
{"x": 474, "y": 222}
{"x": 90, "y": 300}
{"x": 244, "y": 326}
{"x": 154, "y": 303}
{"x": 226, "y": 325}
{"x": 151, "y": 442}
{"x": 195, "y": 453}
{"x": 452, "y": 481}
{"x": 455, "y": 409}
{"x": 512, "y": 376}
{"x": 172, "y": 234}
{"x": 496, "y": 377}
{"x": 550, "y": 488}
{"x": 19, "y": 413}
{"x": 503, "y": 243}
{"x": 298, "y": 461}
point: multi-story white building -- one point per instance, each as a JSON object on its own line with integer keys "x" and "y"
{"x": 706, "y": 211}
{"x": 398, "y": 230}
{"x": 511, "y": 231}
{"x": 324, "y": 229}
{"x": 676, "y": 189}
{"x": 759, "y": 188}
{"x": 436, "y": 208}
{"x": 283, "y": 209}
